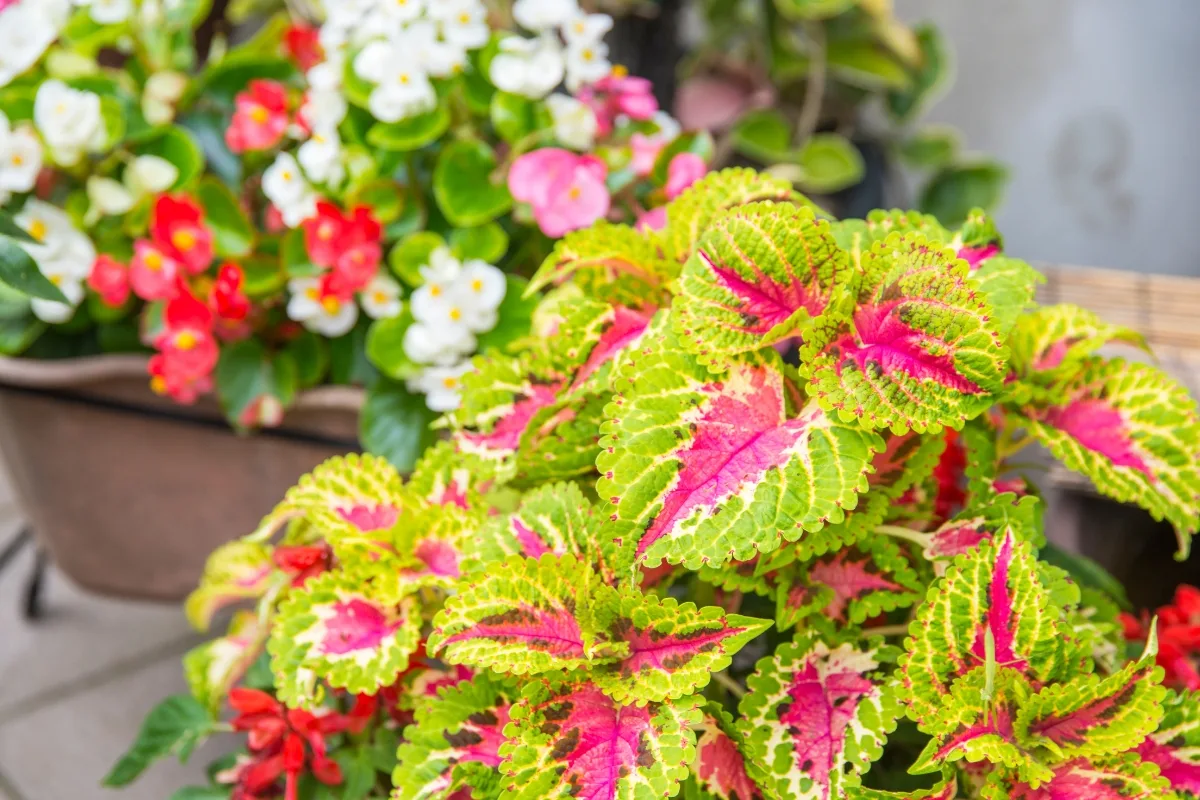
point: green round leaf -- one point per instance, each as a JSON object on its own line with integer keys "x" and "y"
{"x": 465, "y": 185}
{"x": 412, "y": 253}
{"x": 487, "y": 242}
{"x": 763, "y": 135}
{"x": 263, "y": 277}
{"x": 223, "y": 80}
{"x": 931, "y": 147}
{"x": 233, "y": 237}
{"x": 385, "y": 346}
{"x": 813, "y": 9}
{"x": 395, "y": 424}
{"x": 699, "y": 143}
{"x": 515, "y": 317}
{"x": 412, "y": 133}
{"x": 931, "y": 77}
{"x": 311, "y": 355}
{"x": 114, "y": 120}
{"x": 514, "y": 117}
{"x": 863, "y": 63}
{"x": 830, "y": 162}
{"x": 246, "y": 371}
{"x": 384, "y": 197}
{"x": 952, "y": 193}
{"x": 177, "y": 145}
{"x": 293, "y": 255}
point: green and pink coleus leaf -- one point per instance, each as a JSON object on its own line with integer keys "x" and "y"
{"x": 945, "y": 790}
{"x": 720, "y": 765}
{"x": 1175, "y": 746}
{"x": 1009, "y": 285}
{"x": 816, "y": 716}
{"x": 440, "y": 479}
{"x": 457, "y": 731}
{"x": 921, "y": 350}
{"x": 525, "y": 616}
{"x": 354, "y": 629}
{"x": 690, "y": 214}
{"x": 555, "y": 518}
{"x": 851, "y": 585}
{"x": 858, "y": 235}
{"x": 1134, "y": 432}
{"x": 982, "y": 521}
{"x": 1090, "y": 716}
{"x": 235, "y": 571}
{"x": 609, "y": 262}
{"x": 1119, "y": 778}
{"x": 761, "y": 273}
{"x": 978, "y": 241}
{"x": 1055, "y": 340}
{"x": 214, "y": 667}
{"x": 671, "y": 649}
{"x": 703, "y": 468}
{"x": 570, "y": 740}
{"x": 994, "y": 588}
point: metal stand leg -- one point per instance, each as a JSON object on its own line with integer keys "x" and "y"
{"x": 31, "y": 607}
{"x": 23, "y": 537}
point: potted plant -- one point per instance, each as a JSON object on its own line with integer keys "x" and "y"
{"x": 311, "y": 231}
{"x": 654, "y": 560}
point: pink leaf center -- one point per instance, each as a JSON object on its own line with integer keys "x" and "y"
{"x": 370, "y": 518}
{"x": 849, "y": 580}
{"x": 356, "y": 625}
{"x": 720, "y": 765}
{"x": 1099, "y": 427}
{"x": 1183, "y": 775}
{"x": 627, "y": 327}
{"x": 764, "y": 302}
{"x": 999, "y": 615}
{"x": 553, "y": 631}
{"x": 506, "y": 434}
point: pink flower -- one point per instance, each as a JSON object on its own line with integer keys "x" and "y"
{"x": 110, "y": 279}
{"x": 617, "y": 94}
{"x": 177, "y": 227}
{"x": 684, "y": 170}
{"x": 260, "y": 118}
{"x": 645, "y": 152}
{"x": 567, "y": 191}
{"x": 153, "y": 273}
{"x": 653, "y": 220}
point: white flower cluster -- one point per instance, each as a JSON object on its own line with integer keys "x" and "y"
{"x": 63, "y": 254}
{"x": 323, "y": 110}
{"x": 456, "y": 302}
{"x": 534, "y": 67}
{"x": 332, "y": 316}
{"x": 289, "y": 191}
{"x": 69, "y": 120}
{"x": 20, "y": 159}
{"x": 27, "y": 28}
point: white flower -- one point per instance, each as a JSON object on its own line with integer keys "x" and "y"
{"x": 150, "y": 175}
{"x": 324, "y": 105}
{"x": 480, "y": 289}
{"x": 442, "y": 386}
{"x": 668, "y": 127}
{"x": 438, "y": 58}
{"x": 20, "y": 159}
{"x": 432, "y": 297}
{"x": 464, "y": 22}
{"x": 108, "y": 12}
{"x": 542, "y": 15}
{"x": 321, "y": 157}
{"x": 574, "y": 121}
{"x": 289, "y": 191}
{"x": 109, "y": 196}
{"x": 528, "y": 67}
{"x": 404, "y": 11}
{"x": 403, "y": 88}
{"x": 426, "y": 344}
{"x": 163, "y": 90}
{"x": 53, "y": 311}
{"x": 69, "y": 120}
{"x": 586, "y": 28}
{"x": 327, "y": 315}
{"x": 27, "y": 28}
{"x": 60, "y": 247}
{"x": 587, "y": 62}
{"x": 381, "y": 298}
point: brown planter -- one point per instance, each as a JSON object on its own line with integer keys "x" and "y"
{"x": 130, "y": 492}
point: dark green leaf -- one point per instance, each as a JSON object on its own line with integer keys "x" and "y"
{"x": 383, "y": 750}
{"x": 10, "y": 228}
{"x": 863, "y": 63}
{"x": 246, "y": 372}
{"x": 933, "y": 74}
{"x": 514, "y": 117}
{"x": 763, "y": 135}
{"x": 176, "y": 725}
{"x": 348, "y": 362}
{"x": 223, "y": 80}
{"x": 202, "y": 793}
{"x": 412, "y": 253}
{"x": 17, "y": 333}
{"x": 293, "y": 255}
{"x": 931, "y": 147}
{"x": 312, "y": 358}
{"x": 385, "y": 346}
{"x": 813, "y": 9}
{"x": 233, "y": 237}
{"x": 263, "y": 276}
{"x": 179, "y": 146}
{"x": 395, "y": 424}
{"x": 830, "y": 162}
{"x": 953, "y": 192}
{"x": 1086, "y": 573}
{"x": 383, "y": 196}
{"x": 18, "y": 270}
{"x": 467, "y": 190}
{"x": 412, "y": 133}
{"x": 487, "y": 243}
{"x": 358, "y": 774}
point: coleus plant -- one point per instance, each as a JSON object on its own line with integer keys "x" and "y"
{"x": 743, "y": 523}
{"x": 357, "y": 200}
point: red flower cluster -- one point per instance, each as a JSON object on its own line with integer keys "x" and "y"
{"x": 187, "y": 349}
{"x": 260, "y": 117}
{"x": 302, "y": 43}
{"x": 179, "y": 245}
{"x": 1178, "y": 637}
{"x": 282, "y": 743}
{"x": 948, "y": 474}
{"x": 346, "y": 244}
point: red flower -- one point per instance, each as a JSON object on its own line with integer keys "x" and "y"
{"x": 177, "y": 227}
{"x": 187, "y": 350}
{"x": 153, "y": 274}
{"x": 349, "y": 245}
{"x": 110, "y": 279}
{"x": 229, "y": 303}
{"x": 302, "y": 561}
{"x": 281, "y": 743}
{"x": 260, "y": 117}
{"x": 323, "y": 233}
{"x": 302, "y": 44}
{"x": 949, "y": 476}
{"x": 1178, "y": 638}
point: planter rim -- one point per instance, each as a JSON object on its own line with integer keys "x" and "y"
{"x": 68, "y": 373}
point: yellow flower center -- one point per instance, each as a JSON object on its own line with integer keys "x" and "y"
{"x": 37, "y": 229}
{"x": 575, "y": 193}
{"x": 56, "y": 280}
{"x": 380, "y": 297}
{"x": 158, "y": 385}
{"x": 183, "y": 240}
{"x": 260, "y": 115}
{"x": 435, "y": 290}
{"x": 619, "y": 71}
{"x": 17, "y": 159}
{"x": 477, "y": 285}
{"x": 580, "y": 27}
{"x": 186, "y": 340}
{"x": 587, "y": 54}
{"x": 286, "y": 175}
{"x": 464, "y": 18}
{"x": 153, "y": 260}
{"x": 325, "y": 232}
{"x": 312, "y": 294}
{"x": 331, "y": 304}
{"x": 456, "y": 313}
{"x": 450, "y": 382}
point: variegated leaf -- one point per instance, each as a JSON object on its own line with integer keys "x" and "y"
{"x": 760, "y": 274}
{"x": 440, "y": 479}
{"x": 690, "y": 214}
{"x": 238, "y": 570}
{"x": 815, "y": 717}
{"x": 556, "y": 519}
{"x": 524, "y": 616}
{"x": 978, "y": 240}
{"x": 1132, "y": 430}
{"x": 704, "y": 468}
{"x": 609, "y": 262}
{"x": 921, "y": 350}
{"x": 945, "y": 790}
{"x": 572, "y": 740}
{"x": 1090, "y": 716}
{"x": 458, "y": 731}
{"x": 907, "y": 460}
{"x": 850, "y": 586}
{"x": 1009, "y": 285}
{"x": 214, "y": 667}
{"x": 1175, "y": 746}
{"x": 353, "y": 629}
{"x": 1121, "y": 778}
{"x": 672, "y": 648}
{"x": 857, "y": 235}
{"x": 1059, "y": 337}
{"x": 720, "y": 765}
{"x": 995, "y": 588}
{"x": 982, "y": 522}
